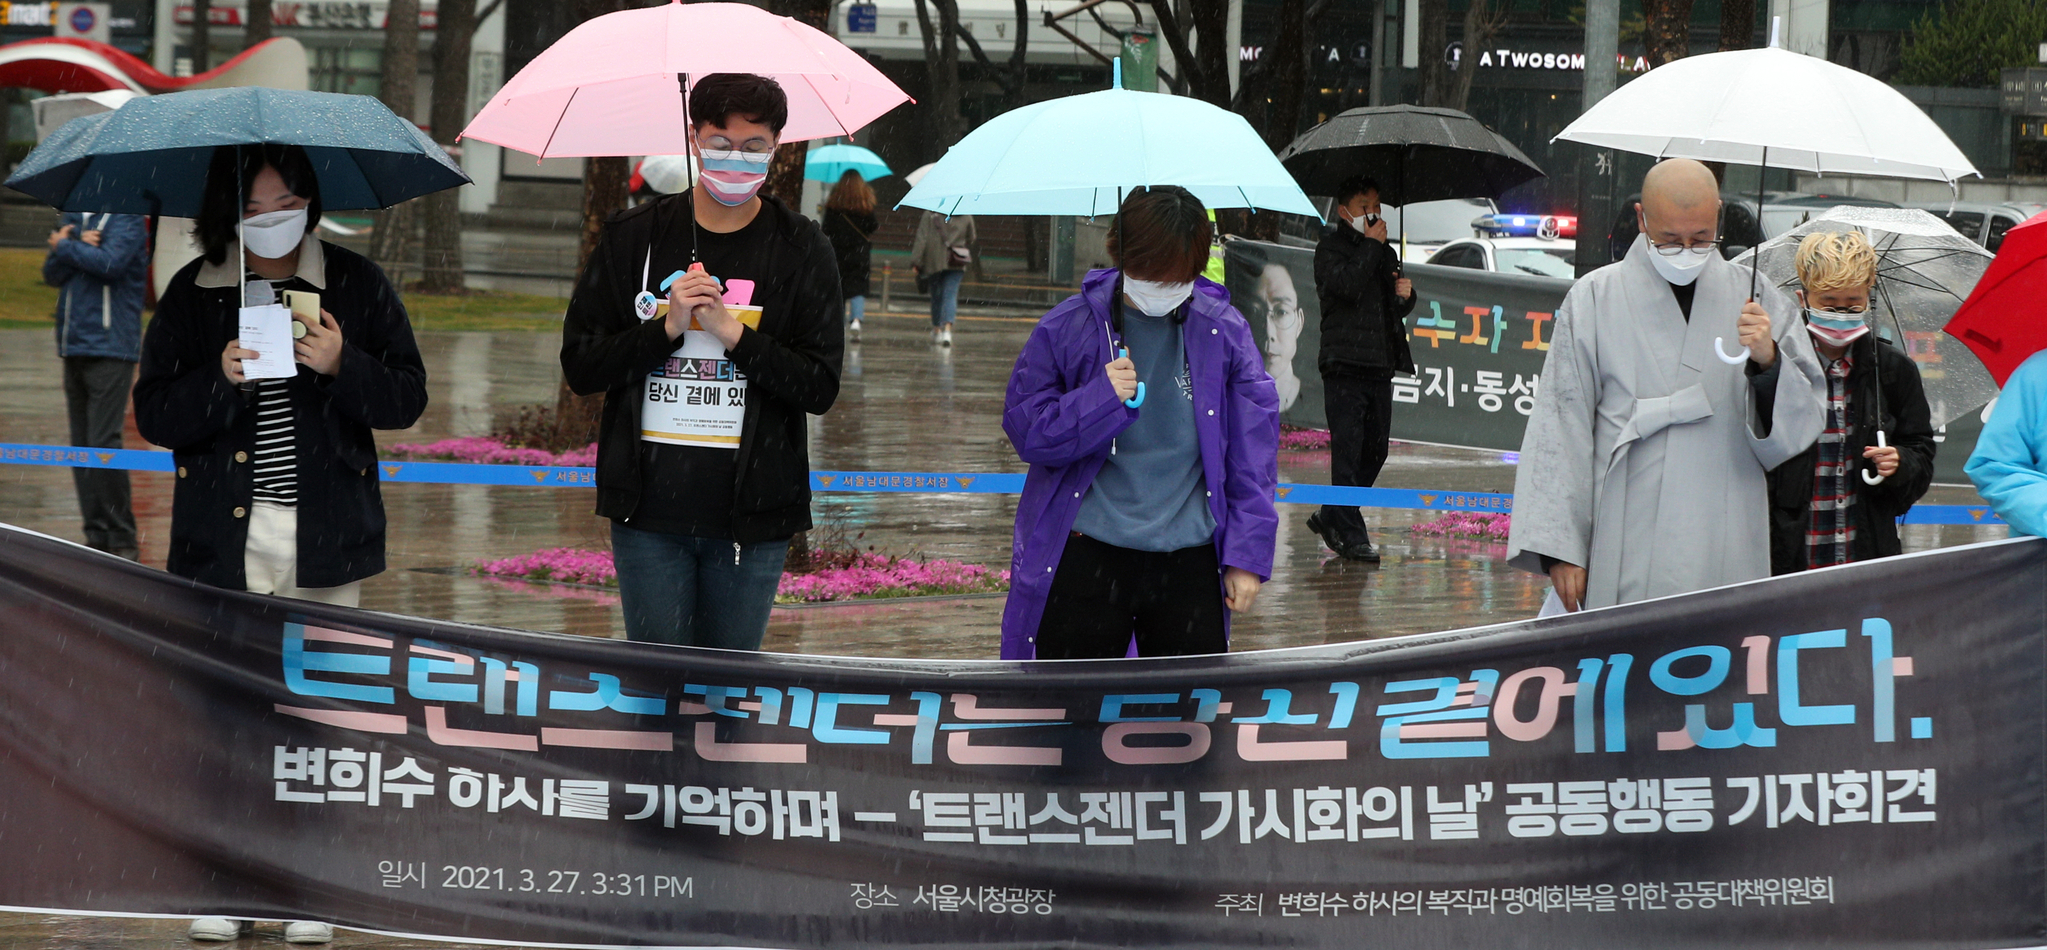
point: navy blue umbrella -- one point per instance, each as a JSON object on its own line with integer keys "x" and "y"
{"x": 151, "y": 155}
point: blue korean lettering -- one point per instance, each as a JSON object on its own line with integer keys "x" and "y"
{"x": 298, "y": 661}
{"x": 1789, "y": 709}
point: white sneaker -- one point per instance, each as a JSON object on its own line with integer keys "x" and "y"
{"x": 308, "y": 931}
{"x": 217, "y": 929}
{"x": 854, "y": 329}
{"x": 945, "y": 335}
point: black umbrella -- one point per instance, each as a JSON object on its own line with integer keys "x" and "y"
{"x": 1416, "y": 154}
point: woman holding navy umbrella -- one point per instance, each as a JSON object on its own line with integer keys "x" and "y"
{"x": 276, "y": 478}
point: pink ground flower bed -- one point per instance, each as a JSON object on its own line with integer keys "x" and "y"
{"x": 489, "y": 451}
{"x": 1465, "y": 524}
{"x": 1297, "y": 439}
{"x": 872, "y": 576}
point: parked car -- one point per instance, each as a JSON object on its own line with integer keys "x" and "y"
{"x": 1739, "y": 227}
{"x": 1982, "y": 223}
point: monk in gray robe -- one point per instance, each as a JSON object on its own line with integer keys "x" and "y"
{"x": 1642, "y": 469}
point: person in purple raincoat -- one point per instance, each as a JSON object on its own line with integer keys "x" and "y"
{"x": 1152, "y": 432}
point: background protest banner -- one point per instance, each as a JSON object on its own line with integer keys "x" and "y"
{"x": 1479, "y": 339}
{"x": 1848, "y": 757}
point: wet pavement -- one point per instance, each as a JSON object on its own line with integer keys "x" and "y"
{"x": 905, "y": 405}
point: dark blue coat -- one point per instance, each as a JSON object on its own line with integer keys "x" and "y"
{"x": 99, "y": 289}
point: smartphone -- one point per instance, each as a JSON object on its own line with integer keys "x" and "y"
{"x": 303, "y": 303}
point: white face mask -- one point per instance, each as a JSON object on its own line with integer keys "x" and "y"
{"x": 1363, "y": 221}
{"x": 1681, "y": 268}
{"x": 274, "y": 234}
{"x": 1155, "y": 298}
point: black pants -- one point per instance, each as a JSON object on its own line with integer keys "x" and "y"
{"x": 1360, "y": 411}
{"x": 96, "y": 392}
{"x": 1102, "y": 593}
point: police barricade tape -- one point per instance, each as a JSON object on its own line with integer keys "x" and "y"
{"x": 974, "y": 483}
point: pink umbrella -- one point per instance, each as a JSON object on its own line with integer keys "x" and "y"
{"x": 611, "y": 86}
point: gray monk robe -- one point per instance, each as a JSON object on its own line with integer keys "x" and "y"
{"x": 1644, "y": 459}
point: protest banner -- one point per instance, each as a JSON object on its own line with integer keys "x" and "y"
{"x": 1847, "y": 757}
{"x": 1479, "y": 340}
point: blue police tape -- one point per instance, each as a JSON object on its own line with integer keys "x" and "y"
{"x": 989, "y": 483}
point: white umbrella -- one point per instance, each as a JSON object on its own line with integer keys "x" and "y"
{"x": 916, "y": 176}
{"x": 668, "y": 174}
{"x": 1772, "y": 107}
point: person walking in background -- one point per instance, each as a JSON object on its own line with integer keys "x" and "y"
{"x": 248, "y": 452}
{"x": 98, "y": 263}
{"x": 1152, "y": 433}
{"x": 848, "y": 221}
{"x": 940, "y": 254}
{"x": 1365, "y": 303}
{"x": 1822, "y": 512}
{"x": 703, "y": 464}
{"x": 2009, "y": 465}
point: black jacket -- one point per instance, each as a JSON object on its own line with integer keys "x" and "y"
{"x": 1364, "y": 326}
{"x": 184, "y": 403}
{"x": 791, "y": 363}
{"x": 1907, "y": 425}
{"x": 848, "y": 231}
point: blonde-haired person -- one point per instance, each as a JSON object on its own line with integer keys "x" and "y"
{"x": 1822, "y": 511}
{"x": 848, "y": 221}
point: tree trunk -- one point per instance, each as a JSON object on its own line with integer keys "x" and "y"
{"x": 785, "y": 173}
{"x": 1435, "y": 37}
{"x": 1737, "y": 24}
{"x": 389, "y": 243}
{"x": 1481, "y": 24}
{"x": 577, "y": 418}
{"x": 942, "y": 64}
{"x": 443, "y": 210}
{"x": 202, "y": 34}
{"x": 256, "y": 24}
{"x": 1667, "y": 30}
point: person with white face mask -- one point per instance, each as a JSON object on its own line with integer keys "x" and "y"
{"x": 1365, "y": 301}
{"x": 1642, "y": 470}
{"x": 710, "y": 322}
{"x": 1152, "y": 432}
{"x": 1823, "y": 509}
{"x": 276, "y": 489}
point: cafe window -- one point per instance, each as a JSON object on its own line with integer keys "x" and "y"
{"x": 350, "y": 69}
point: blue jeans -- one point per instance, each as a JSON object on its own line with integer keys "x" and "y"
{"x": 856, "y": 307}
{"x": 685, "y": 590}
{"x": 945, "y": 296}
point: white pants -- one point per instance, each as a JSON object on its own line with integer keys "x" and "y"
{"x": 271, "y": 559}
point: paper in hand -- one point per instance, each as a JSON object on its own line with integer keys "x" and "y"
{"x": 267, "y": 330}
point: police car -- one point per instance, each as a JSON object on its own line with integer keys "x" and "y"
{"x": 1529, "y": 244}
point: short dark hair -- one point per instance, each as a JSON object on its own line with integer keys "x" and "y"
{"x": 1161, "y": 233}
{"x": 716, "y": 98}
{"x": 1354, "y": 186}
{"x": 220, "y": 206}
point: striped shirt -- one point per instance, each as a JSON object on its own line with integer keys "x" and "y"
{"x": 276, "y": 456}
{"x": 1830, "y": 525}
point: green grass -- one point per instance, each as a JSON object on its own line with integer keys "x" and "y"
{"x": 26, "y": 303}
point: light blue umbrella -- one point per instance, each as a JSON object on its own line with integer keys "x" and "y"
{"x": 827, "y": 163}
{"x": 1081, "y": 154}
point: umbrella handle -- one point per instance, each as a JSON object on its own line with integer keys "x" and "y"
{"x": 1736, "y": 358}
{"x": 1868, "y": 479}
{"x": 1137, "y": 400}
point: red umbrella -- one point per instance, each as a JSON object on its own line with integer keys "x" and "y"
{"x": 2005, "y": 318}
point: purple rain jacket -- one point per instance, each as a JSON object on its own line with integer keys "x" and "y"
{"x": 1061, "y": 413}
